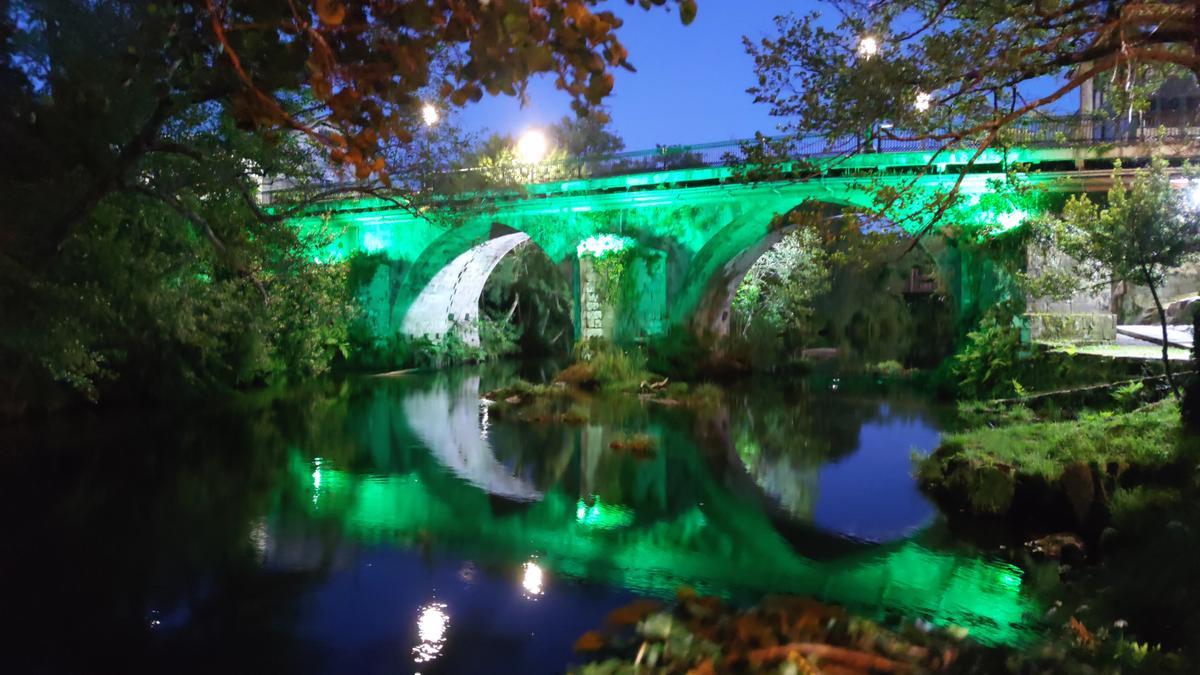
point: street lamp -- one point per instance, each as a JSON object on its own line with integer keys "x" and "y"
{"x": 1193, "y": 194}
{"x": 531, "y": 147}
{"x": 868, "y": 46}
{"x": 429, "y": 113}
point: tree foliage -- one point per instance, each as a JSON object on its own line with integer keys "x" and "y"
{"x": 1143, "y": 231}
{"x": 959, "y": 74}
{"x": 494, "y": 164}
{"x": 778, "y": 291}
{"x": 529, "y": 293}
{"x": 137, "y": 134}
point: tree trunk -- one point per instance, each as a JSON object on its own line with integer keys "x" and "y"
{"x": 1162, "y": 321}
{"x": 1190, "y": 408}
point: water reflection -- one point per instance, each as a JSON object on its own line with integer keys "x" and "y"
{"x": 431, "y": 629}
{"x": 727, "y": 503}
{"x": 531, "y": 578}
{"x": 390, "y": 527}
{"x": 447, "y": 420}
{"x": 839, "y": 460}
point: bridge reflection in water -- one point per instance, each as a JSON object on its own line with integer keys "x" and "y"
{"x": 442, "y": 475}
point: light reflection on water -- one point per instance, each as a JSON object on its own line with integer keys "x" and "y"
{"x": 397, "y": 526}
{"x": 763, "y": 495}
{"x": 432, "y": 623}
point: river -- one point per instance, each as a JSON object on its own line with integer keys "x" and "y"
{"x": 396, "y": 526}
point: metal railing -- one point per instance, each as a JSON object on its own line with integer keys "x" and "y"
{"x": 1034, "y": 132}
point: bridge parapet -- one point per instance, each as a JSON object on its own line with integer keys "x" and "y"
{"x": 1072, "y": 141}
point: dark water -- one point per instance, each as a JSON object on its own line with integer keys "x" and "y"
{"x": 395, "y": 526}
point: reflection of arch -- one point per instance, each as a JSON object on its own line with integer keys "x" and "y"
{"x": 447, "y": 422}
{"x": 441, "y": 292}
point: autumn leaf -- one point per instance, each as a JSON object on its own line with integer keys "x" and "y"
{"x": 331, "y": 12}
{"x": 633, "y": 612}
{"x": 1084, "y": 635}
{"x": 687, "y": 11}
{"x": 591, "y": 641}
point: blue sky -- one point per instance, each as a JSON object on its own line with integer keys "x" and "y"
{"x": 691, "y": 81}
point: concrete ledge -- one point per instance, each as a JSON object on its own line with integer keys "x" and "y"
{"x": 1078, "y": 328}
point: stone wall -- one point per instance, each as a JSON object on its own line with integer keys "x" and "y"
{"x": 1085, "y": 317}
{"x": 592, "y": 310}
{"x": 1133, "y": 304}
{"x": 1091, "y": 312}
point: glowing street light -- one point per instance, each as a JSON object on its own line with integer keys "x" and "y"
{"x": 1193, "y": 195}
{"x": 531, "y": 580}
{"x": 868, "y": 46}
{"x": 532, "y": 146}
{"x": 429, "y": 113}
{"x": 923, "y": 101}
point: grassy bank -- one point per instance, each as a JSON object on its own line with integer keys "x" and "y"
{"x": 1051, "y": 475}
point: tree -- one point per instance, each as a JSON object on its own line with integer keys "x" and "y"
{"x": 588, "y": 136}
{"x": 958, "y": 74}
{"x": 94, "y": 87}
{"x": 136, "y": 135}
{"x": 1143, "y": 231}
{"x": 573, "y": 141}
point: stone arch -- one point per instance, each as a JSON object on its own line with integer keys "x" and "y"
{"x": 440, "y": 293}
{"x": 722, "y": 264}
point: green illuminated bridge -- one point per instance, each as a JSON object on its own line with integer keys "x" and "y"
{"x": 693, "y": 226}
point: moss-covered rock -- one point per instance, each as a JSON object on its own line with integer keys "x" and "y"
{"x": 1048, "y": 476}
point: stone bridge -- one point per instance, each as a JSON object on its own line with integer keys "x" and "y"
{"x": 696, "y": 231}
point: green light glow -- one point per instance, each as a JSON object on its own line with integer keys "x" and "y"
{"x": 1008, "y": 221}
{"x": 603, "y": 516}
{"x": 728, "y": 549}
{"x": 700, "y": 216}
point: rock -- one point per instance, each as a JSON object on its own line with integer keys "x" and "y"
{"x": 820, "y": 353}
{"x": 1080, "y": 490}
{"x": 1183, "y": 310}
{"x": 1057, "y": 545}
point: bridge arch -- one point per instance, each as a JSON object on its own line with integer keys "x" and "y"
{"x": 722, "y": 265}
{"x": 440, "y": 293}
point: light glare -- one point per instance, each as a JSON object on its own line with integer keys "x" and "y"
{"x": 532, "y": 146}
{"x": 923, "y": 101}
{"x": 1193, "y": 195}
{"x": 431, "y": 628}
{"x": 430, "y": 114}
{"x": 868, "y": 46}
{"x": 532, "y": 579}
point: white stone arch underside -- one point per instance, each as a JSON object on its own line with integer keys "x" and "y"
{"x": 450, "y": 301}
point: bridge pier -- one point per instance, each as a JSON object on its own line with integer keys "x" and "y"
{"x": 622, "y": 299}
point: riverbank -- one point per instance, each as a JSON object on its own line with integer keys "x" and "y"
{"x": 1044, "y": 476}
{"x": 1101, "y": 509}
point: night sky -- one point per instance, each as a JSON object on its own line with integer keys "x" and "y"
{"x": 691, "y": 81}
